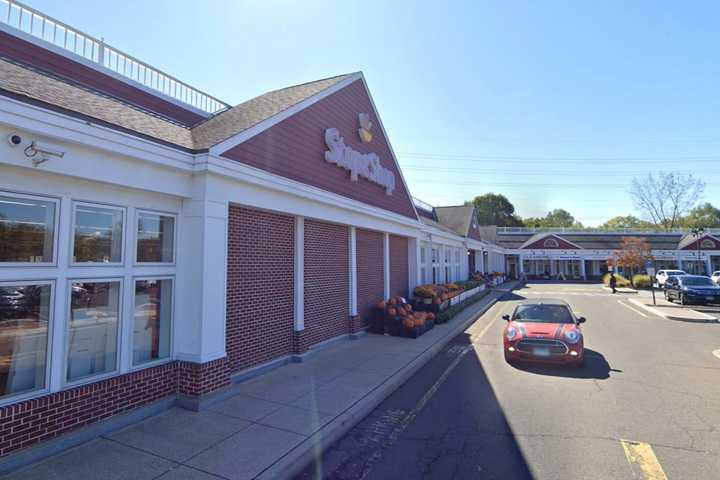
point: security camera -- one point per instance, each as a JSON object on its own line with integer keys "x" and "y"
{"x": 14, "y": 139}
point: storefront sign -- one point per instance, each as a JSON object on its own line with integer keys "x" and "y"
{"x": 366, "y": 165}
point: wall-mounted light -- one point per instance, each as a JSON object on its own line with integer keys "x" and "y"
{"x": 40, "y": 152}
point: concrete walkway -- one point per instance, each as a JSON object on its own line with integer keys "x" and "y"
{"x": 670, "y": 310}
{"x": 272, "y": 425}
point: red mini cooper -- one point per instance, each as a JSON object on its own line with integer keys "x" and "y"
{"x": 544, "y": 330}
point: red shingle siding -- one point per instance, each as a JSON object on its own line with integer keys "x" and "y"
{"x": 29, "y": 422}
{"x": 370, "y": 275}
{"x": 295, "y": 148}
{"x": 399, "y": 275}
{"x": 327, "y": 283}
{"x": 260, "y": 287}
{"x": 14, "y": 48}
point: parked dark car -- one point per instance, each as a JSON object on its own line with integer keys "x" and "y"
{"x": 695, "y": 289}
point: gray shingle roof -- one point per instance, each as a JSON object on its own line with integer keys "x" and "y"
{"x": 437, "y": 225}
{"x": 595, "y": 240}
{"x": 457, "y": 218}
{"x": 29, "y": 84}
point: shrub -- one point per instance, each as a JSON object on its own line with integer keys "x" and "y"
{"x": 641, "y": 281}
{"x": 621, "y": 281}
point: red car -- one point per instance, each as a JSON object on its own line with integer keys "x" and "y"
{"x": 544, "y": 330}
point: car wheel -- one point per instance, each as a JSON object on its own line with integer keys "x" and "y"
{"x": 508, "y": 359}
{"x": 666, "y": 295}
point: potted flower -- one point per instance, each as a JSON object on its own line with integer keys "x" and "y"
{"x": 425, "y": 293}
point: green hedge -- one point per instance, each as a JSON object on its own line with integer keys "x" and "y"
{"x": 455, "y": 309}
{"x": 620, "y": 280}
{"x": 641, "y": 281}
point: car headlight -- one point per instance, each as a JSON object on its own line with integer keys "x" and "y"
{"x": 572, "y": 336}
{"x": 511, "y": 333}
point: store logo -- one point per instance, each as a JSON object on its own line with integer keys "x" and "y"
{"x": 366, "y": 165}
{"x": 708, "y": 244}
{"x": 365, "y": 127}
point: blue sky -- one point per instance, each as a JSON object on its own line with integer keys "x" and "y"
{"x": 556, "y": 104}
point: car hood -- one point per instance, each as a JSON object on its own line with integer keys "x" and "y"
{"x": 543, "y": 330}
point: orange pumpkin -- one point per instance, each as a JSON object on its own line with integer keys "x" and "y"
{"x": 421, "y": 315}
{"x": 408, "y": 307}
{"x": 402, "y": 312}
{"x": 408, "y": 323}
{"x": 419, "y": 322}
{"x": 392, "y": 301}
{"x": 431, "y": 316}
{"x": 392, "y": 312}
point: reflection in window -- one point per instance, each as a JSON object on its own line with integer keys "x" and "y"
{"x": 26, "y": 230}
{"x": 152, "y": 319}
{"x": 155, "y": 238}
{"x": 24, "y": 318}
{"x": 93, "y": 329}
{"x": 98, "y": 234}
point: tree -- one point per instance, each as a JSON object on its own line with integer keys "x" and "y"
{"x": 556, "y": 218}
{"x": 667, "y": 197}
{"x": 633, "y": 254}
{"x": 705, "y": 216}
{"x": 628, "y": 221}
{"x": 495, "y": 209}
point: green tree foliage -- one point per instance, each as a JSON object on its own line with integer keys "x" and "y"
{"x": 556, "y": 218}
{"x": 626, "y": 221}
{"x": 495, "y": 209}
{"x": 705, "y": 215}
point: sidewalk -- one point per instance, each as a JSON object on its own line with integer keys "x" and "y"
{"x": 273, "y": 425}
{"x": 671, "y": 311}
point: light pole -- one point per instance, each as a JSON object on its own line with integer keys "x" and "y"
{"x": 696, "y": 233}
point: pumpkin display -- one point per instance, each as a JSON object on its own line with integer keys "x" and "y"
{"x": 408, "y": 323}
{"x": 392, "y": 312}
{"x": 408, "y": 307}
{"x": 402, "y": 312}
{"x": 419, "y": 322}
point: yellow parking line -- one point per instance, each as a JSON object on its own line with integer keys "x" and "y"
{"x": 643, "y": 461}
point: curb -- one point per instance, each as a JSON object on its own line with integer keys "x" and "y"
{"x": 299, "y": 457}
{"x": 703, "y": 318}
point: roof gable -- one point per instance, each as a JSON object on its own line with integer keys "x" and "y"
{"x": 458, "y": 218}
{"x": 706, "y": 242}
{"x": 294, "y": 145}
{"x": 548, "y": 241}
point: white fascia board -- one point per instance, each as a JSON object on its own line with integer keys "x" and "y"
{"x": 101, "y": 68}
{"x": 17, "y": 114}
{"x": 245, "y": 135}
{"x": 241, "y": 172}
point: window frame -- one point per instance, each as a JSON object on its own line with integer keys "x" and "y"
{"x": 71, "y": 254}
{"x": 135, "y": 262}
{"x": 65, "y": 382}
{"x": 56, "y": 230}
{"x": 10, "y": 399}
{"x": 131, "y": 319}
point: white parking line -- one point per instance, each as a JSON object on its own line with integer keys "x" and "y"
{"x": 631, "y": 308}
{"x": 716, "y": 353}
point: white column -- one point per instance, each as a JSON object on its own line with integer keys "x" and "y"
{"x": 352, "y": 250}
{"x": 708, "y": 264}
{"x": 521, "y": 268}
{"x": 583, "y": 274}
{"x": 679, "y": 260}
{"x": 414, "y": 266}
{"x": 199, "y": 329}
{"x": 299, "y": 273}
{"x": 386, "y": 265}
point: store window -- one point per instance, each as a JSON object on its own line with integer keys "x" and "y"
{"x": 24, "y": 325}
{"x": 27, "y": 229}
{"x": 152, "y": 320}
{"x": 155, "y": 238}
{"x": 97, "y": 234}
{"x": 92, "y": 328}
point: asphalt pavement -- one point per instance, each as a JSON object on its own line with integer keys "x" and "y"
{"x": 646, "y": 405}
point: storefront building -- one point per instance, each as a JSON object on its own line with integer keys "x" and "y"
{"x": 157, "y": 244}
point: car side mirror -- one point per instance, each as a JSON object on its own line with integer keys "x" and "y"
{"x": 581, "y": 320}
{"x": 506, "y": 317}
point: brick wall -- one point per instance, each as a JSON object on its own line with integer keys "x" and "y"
{"x": 369, "y": 246}
{"x": 196, "y": 379}
{"x": 327, "y": 283}
{"x": 260, "y": 287}
{"x": 26, "y": 423}
{"x": 399, "y": 275}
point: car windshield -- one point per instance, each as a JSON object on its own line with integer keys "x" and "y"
{"x": 697, "y": 282}
{"x": 543, "y": 314}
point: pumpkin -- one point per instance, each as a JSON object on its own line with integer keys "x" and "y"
{"x": 408, "y": 323}
{"x": 408, "y": 307}
{"x": 431, "y": 316}
{"x": 402, "y": 312}
{"x": 392, "y": 312}
{"x": 392, "y": 301}
{"x": 381, "y": 305}
{"x": 419, "y": 322}
{"x": 421, "y": 315}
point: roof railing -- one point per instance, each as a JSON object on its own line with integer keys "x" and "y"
{"x": 33, "y": 22}
{"x": 598, "y": 230}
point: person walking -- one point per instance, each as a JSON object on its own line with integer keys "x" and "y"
{"x": 613, "y": 282}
